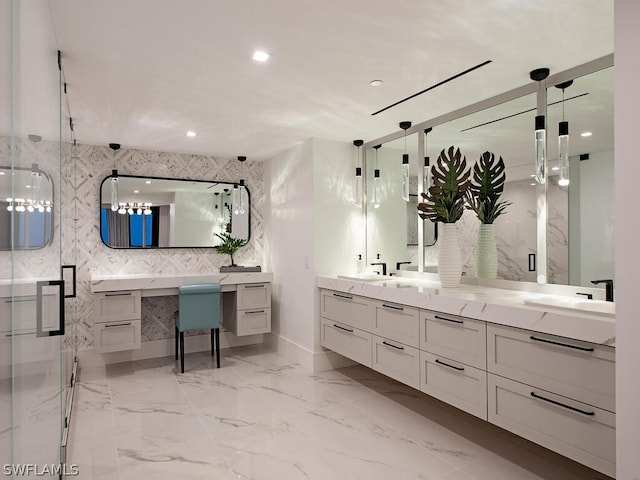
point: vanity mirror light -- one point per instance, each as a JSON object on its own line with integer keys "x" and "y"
{"x": 157, "y": 212}
{"x": 29, "y": 205}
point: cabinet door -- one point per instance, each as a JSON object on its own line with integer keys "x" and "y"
{"x": 574, "y": 369}
{"x": 396, "y": 360}
{"x": 346, "y": 340}
{"x": 573, "y": 429}
{"x": 111, "y": 306}
{"x": 117, "y": 336}
{"x": 397, "y": 322}
{"x": 459, "y": 338}
{"x": 455, "y": 383}
{"x": 347, "y": 309}
{"x": 254, "y": 295}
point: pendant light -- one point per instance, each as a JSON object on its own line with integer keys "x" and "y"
{"x": 405, "y": 163}
{"x": 239, "y": 193}
{"x": 538, "y": 75}
{"x": 563, "y": 141}
{"x": 426, "y": 179}
{"x": 114, "y": 179}
{"x": 377, "y": 182}
{"x": 357, "y": 186}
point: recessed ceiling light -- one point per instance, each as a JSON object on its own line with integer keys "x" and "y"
{"x": 147, "y": 182}
{"x": 260, "y": 56}
{"x": 1, "y": 173}
{"x": 586, "y": 134}
{"x": 136, "y": 191}
{"x": 532, "y": 184}
{"x": 376, "y": 83}
{"x": 191, "y": 134}
{"x": 555, "y": 168}
{"x": 532, "y": 175}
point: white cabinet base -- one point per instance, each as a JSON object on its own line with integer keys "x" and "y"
{"x": 117, "y": 336}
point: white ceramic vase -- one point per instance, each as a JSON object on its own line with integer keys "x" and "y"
{"x": 486, "y": 252}
{"x": 449, "y": 256}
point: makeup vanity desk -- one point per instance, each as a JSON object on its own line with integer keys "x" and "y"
{"x": 246, "y": 303}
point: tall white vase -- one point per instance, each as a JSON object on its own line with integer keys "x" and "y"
{"x": 486, "y": 252}
{"x": 449, "y": 256}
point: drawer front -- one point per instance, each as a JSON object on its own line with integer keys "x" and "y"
{"x": 346, "y": 308}
{"x": 117, "y": 336}
{"x": 111, "y": 306}
{"x": 23, "y": 310}
{"x": 578, "y": 370}
{"x": 455, "y": 383}
{"x": 253, "y": 322}
{"x": 396, "y": 360}
{"x": 576, "y": 430}
{"x": 346, "y": 340}
{"x": 459, "y": 338}
{"x": 397, "y": 322}
{"x": 254, "y": 295}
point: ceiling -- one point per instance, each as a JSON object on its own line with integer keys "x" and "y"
{"x": 143, "y": 72}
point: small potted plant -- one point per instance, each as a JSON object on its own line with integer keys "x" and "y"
{"x": 444, "y": 202}
{"x": 483, "y": 197}
{"x": 229, "y": 246}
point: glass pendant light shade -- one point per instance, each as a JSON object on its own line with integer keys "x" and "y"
{"x": 426, "y": 180}
{"x": 541, "y": 150}
{"x": 36, "y": 186}
{"x": 357, "y": 187}
{"x": 236, "y": 199}
{"x": 114, "y": 191}
{"x": 563, "y": 148}
{"x": 377, "y": 188}
{"x": 242, "y": 198}
{"x": 405, "y": 177}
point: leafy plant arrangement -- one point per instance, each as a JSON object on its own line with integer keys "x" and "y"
{"x": 444, "y": 201}
{"x": 487, "y": 185}
{"x": 229, "y": 245}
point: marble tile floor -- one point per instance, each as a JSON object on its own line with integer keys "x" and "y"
{"x": 262, "y": 417}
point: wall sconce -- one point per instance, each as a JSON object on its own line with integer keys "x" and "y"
{"x": 563, "y": 141}
{"x": 405, "y": 163}
{"x": 540, "y": 138}
{"x": 357, "y": 186}
{"x": 114, "y": 179}
{"x": 426, "y": 180}
{"x": 377, "y": 182}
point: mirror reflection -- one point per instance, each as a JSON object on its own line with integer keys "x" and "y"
{"x": 151, "y": 212}
{"x": 26, "y": 210}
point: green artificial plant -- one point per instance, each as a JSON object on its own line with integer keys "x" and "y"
{"x": 444, "y": 201}
{"x": 229, "y": 245}
{"x": 487, "y": 185}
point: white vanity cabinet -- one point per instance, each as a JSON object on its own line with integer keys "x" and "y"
{"x": 248, "y": 312}
{"x": 117, "y": 321}
{"x": 554, "y": 391}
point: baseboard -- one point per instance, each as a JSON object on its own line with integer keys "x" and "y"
{"x": 165, "y": 348}
{"x": 311, "y": 361}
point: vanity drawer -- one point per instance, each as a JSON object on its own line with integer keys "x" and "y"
{"x": 396, "y": 360}
{"x": 254, "y": 295}
{"x": 252, "y": 322}
{"x": 397, "y": 322}
{"x": 579, "y": 431}
{"x": 457, "y": 384}
{"x": 346, "y": 340}
{"x": 121, "y": 305}
{"x": 19, "y": 313}
{"x": 459, "y": 338}
{"x": 117, "y": 336}
{"x": 346, "y": 308}
{"x": 574, "y": 369}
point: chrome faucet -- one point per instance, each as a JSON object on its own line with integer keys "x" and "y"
{"x": 608, "y": 284}
{"x": 384, "y": 267}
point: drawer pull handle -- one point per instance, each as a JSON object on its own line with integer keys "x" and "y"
{"x": 31, "y": 298}
{"x": 560, "y": 344}
{"x": 452, "y": 320}
{"x": 392, "y": 346}
{"x": 254, "y": 311}
{"x": 568, "y": 407}
{"x": 440, "y": 362}
{"x": 118, "y": 294}
{"x": 392, "y": 306}
{"x": 350, "y": 330}
{"x": 118, "y": 325}
{"x": 348, "y": 297}
{"x": 253, "y": 286}
{"x": 17, "y": 334}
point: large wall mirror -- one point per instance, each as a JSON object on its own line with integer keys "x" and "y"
{"x": 26, "y": 210}
{"x": 151, "y": 212}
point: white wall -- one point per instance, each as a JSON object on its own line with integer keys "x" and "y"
{"x": 627, "y": 260}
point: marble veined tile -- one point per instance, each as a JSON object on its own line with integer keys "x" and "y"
{"x": 355, "y": 382}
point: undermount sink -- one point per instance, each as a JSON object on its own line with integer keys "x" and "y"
{"x": 598, "y": 307}
{"x": 366, "y": 277}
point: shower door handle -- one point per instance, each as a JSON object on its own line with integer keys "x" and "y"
{"x": 40, "y": 332}
{"x": 73, "y": 280}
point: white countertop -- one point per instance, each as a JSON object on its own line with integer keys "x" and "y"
{"x": 495, "y": 305}
{"x": 149, "y": 281}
